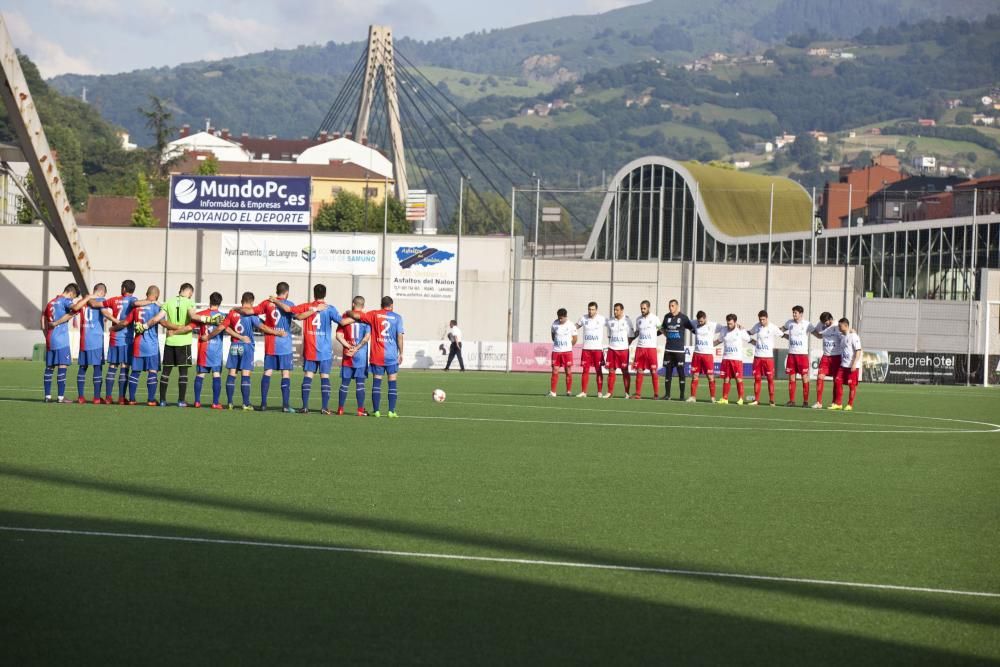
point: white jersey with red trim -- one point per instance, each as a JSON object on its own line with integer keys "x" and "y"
{"x": 852, "y": 344}
{"x": 704, "y": 337}
{"x": 646, "y": 328}
{"x": 765, "y": 339}
{"x": 733, "y": 344}
{"x": 833, "y": 341}
{"x": 620, "y": 333}
{"x": 562, "y": 336}
{"x": 798, "y": 336}
{"x": 593, "y": 331}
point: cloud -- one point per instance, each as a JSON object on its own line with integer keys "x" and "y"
{"x": 241, "y": 35}
{"x": 49, "y": 56}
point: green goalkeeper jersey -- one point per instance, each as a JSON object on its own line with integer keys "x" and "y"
{"x": 177, "y": 310}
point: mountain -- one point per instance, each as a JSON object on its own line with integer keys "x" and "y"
{"x": 288, "y": 91}
{"x": 91, "y": 157}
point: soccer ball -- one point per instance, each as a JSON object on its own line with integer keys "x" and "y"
{"x": 439, "y": 396}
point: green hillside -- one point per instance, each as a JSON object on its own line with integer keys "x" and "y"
{"x": 288, "y": 91}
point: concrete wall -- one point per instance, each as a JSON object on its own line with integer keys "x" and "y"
{"x": 138, "y": 254}
{"x": 485, "y": 287}
{"x": 718, "y": 289}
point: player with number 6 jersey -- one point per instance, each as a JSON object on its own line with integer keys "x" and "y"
{"x": 593, "y": 326}
{"x": 621, "y": 332}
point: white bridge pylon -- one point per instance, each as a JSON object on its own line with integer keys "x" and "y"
{"x": 382, "y": 60}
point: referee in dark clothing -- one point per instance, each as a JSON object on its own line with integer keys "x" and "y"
{"x": 674, "y": 324}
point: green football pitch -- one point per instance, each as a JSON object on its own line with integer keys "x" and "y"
{"x": 502, "y": 526}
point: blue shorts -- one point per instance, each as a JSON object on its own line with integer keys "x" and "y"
{"x": 60, "y": 357}
{"x": 240, "y": 358}
{"x": 151, "y": 363}
{"x": 209, "y": 369}
{"x": 353, "y": 372}
{"x": 278, "y": 362}
{"x": 120, "y": 354}
{"x": 379, "y": 371}
{"x": 91, "y": 357}
{"x": 321, "y": 367}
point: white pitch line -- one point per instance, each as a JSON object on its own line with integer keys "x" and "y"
{"x": 500, "y": 559}
{"x": 681, "y": 426}
{"x": 705, "y": 415}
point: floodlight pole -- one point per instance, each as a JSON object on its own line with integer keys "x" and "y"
{"x": 534, "y": 257}
{"x": 847, "y": 262}
{"x": 770, "y": 236}
{"x": 969, "y": 281}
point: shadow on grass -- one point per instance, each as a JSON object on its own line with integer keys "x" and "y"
{"x": 454, "y": 541}
{"x": 80, "y": 600}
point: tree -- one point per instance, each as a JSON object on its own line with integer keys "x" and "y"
{"x": 209, "y": 166}
{"x": 963, "y": 118}
{"x": 143, "y": 214}
{"x": 485, "y": 213}
{"x": 158, "y": 119}
{"x": 350, "y": 213}
{"x": 25, "y": 211}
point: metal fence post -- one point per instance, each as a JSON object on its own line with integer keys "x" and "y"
{"x": 236, "y": 295}
{"x": 458, "y": 242}
{"x": 847, "y": 260}
{"x": 969, "y": 281}
{"x": 510, "y": 294}
{"x": 166, "y": 255}
{"x": 770, "y": 234}
{"x": 534, "y": 258}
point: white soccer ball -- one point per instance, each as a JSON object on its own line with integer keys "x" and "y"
{"x": 439, "y": 396}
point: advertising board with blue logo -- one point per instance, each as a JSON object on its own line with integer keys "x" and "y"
{"x": 349, "y": 254}
{"x": 240, "y": 202}
{"x": 423, "y": 270}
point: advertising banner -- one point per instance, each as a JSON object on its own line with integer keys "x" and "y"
{"x": 916, "y": 367}
{"x": 291, "y": 253}
{"x": 421, "y": 271}
{"x": 240, "y": 202}
{"x": 478, "y": 355}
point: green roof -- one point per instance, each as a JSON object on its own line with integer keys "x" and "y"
{"x": 738, "y": 203}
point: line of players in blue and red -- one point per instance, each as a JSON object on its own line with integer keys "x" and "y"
{"x": 372, "y": 344}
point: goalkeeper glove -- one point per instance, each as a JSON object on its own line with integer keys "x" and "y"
{"x": 215, "y": 319}
{"x": 140, "y": 328}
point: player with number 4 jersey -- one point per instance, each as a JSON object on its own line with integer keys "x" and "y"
{"x": 317, "y": 319}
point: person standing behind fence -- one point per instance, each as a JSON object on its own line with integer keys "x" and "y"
{"x": 455, "y": 348}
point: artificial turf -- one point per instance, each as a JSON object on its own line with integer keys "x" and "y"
{"x": 903, "y": 491}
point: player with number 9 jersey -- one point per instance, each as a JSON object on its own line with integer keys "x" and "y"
{"x": 277, "y": 350}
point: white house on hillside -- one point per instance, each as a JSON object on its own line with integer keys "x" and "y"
{"x": 350, "y": 152}
{"x": 223, "y": 149}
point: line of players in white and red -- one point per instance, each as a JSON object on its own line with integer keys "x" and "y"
{"x": 841, "y": 358}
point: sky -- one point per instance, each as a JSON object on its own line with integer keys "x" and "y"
{"x": 109, "y": 36}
